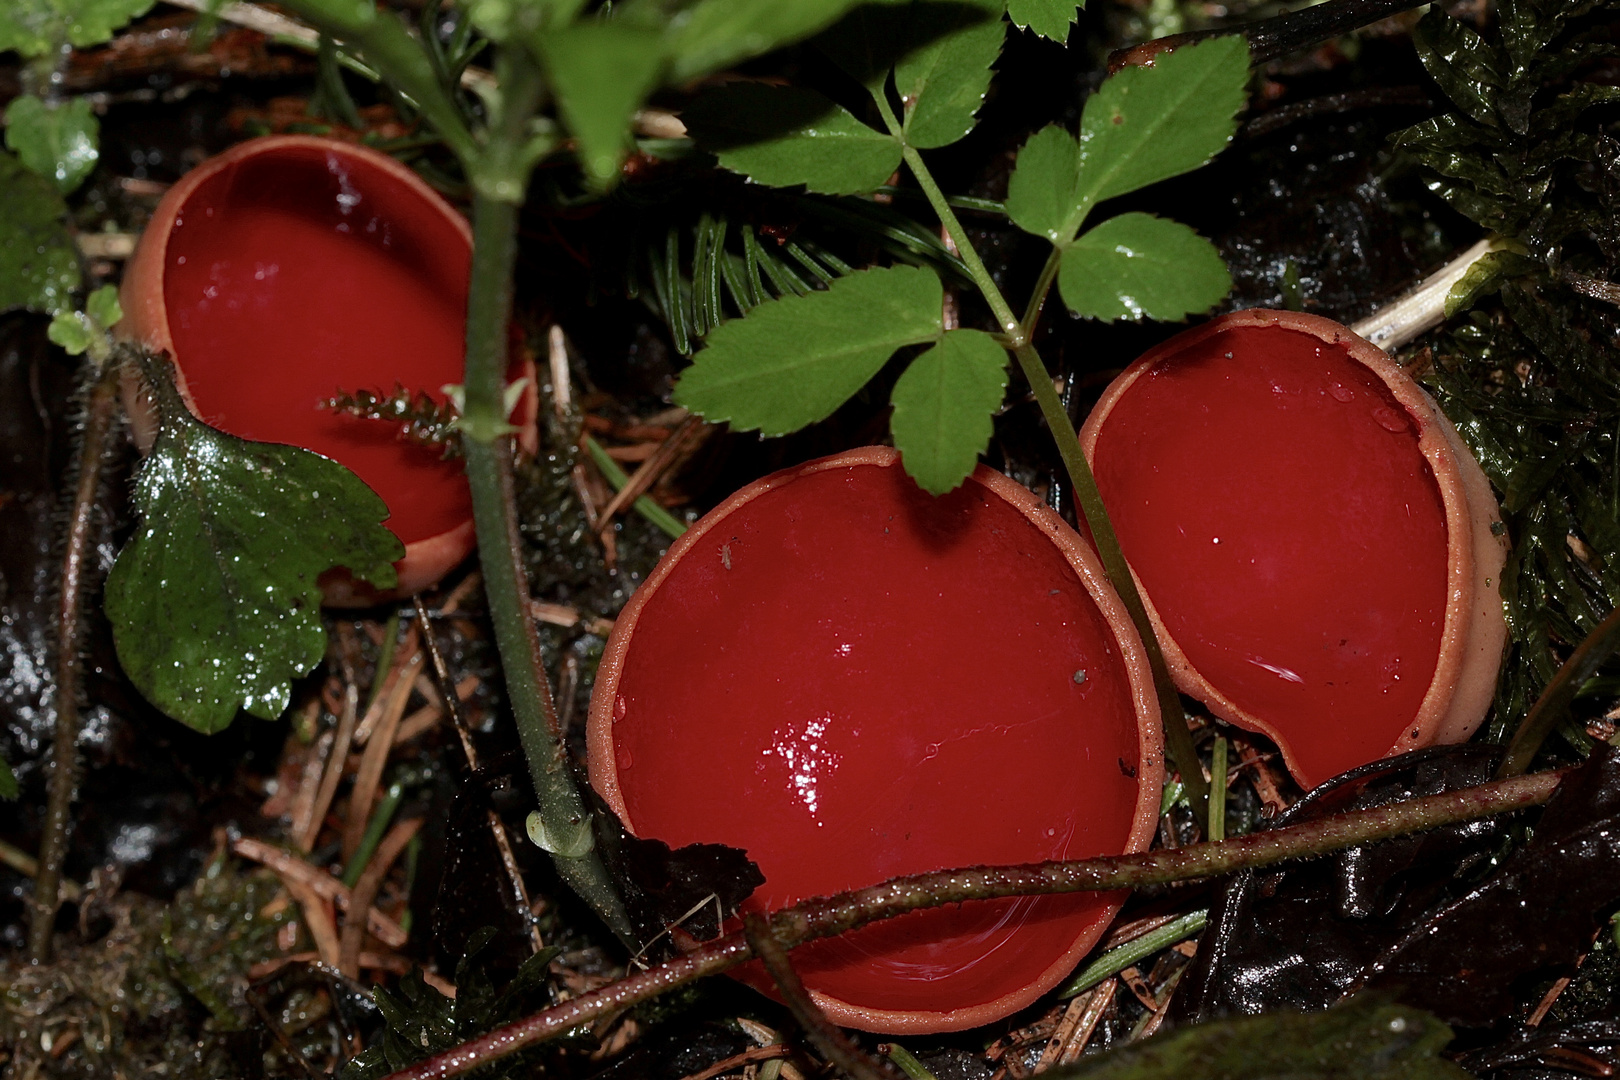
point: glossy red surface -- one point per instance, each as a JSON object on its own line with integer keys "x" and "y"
{"x": 1270, "y": 494}
{"x": 292, "y": 276}
{"x": 854, "y": 680}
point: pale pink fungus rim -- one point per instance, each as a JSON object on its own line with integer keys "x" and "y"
{"x": 1474, "y": 632}
{"x": 603, "y": 762}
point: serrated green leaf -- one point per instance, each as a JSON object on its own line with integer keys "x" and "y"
{"x": 59, "y": 142}
{"x": 1147, "y": 124}
{"x": 214, "y": 602}
{"x": 1367, "y": 1038}
{"x": 942, "y": 408}
{"x": 868, "y": 40}
{"x": 1137, "y": 264}
{"x": 72, "y": 331}
{"x": 788, "y": 135}
{"x": 8, "y": 782}
{"x": 1043, "y": 193}
{"x": 794, "y": 360}
{"x": 943, "y": 81}
{"x": 102, "y": 305}
{"x": 1048, "y": 18}
{"x": 601, "y": 72}
{"x": 37, "y": 27}
{"x": 1465, "y": 66}
{"x": 39, "y": 266}
{"x": 713, "y": 34}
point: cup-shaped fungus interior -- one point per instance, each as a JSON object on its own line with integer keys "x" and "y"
{"x": 307, "y": 271}
{"x": 853, "y": 680}
{"x": 1272, "y": 496}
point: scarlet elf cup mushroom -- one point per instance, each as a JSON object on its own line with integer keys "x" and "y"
{"x": 1320, "y": 554}
{"x": 853, "y": 680}
{"x": 290, "y": 269}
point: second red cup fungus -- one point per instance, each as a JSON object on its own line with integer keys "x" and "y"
{"x": 1320, "y": 553}
{"x": 291, "y": 269}
{"x": 854, "y": 680}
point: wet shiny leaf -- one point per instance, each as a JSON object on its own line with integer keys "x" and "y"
{"x": 1137, "y": 264}
{"x": 57, "y": 141}
{"x": 215, "y": 601}
{"x": 39, "y": 266}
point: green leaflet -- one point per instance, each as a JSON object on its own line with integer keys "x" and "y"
{"x": 786, "y": 135}
{"x": 1048, "y": 18}
{"x": 713, "y": 34}
{"x": 942, "y": 407}
{"x": 1147, "y": 124}
{"x": 56, "y": 141}
{"x": 944, "y": 80}
{"x": 1043, "y": 193}
{"x": 1367, "y": 1038}
{"x": 39, "y": 266}
{"x": 1137, "y": 264}
{"x": 214, "y": 602}
{"x": 79, "y": 332}
{"x": 37, "y": 27}
{"x": 794, "y": 360}
{"x": 601, "y": 72}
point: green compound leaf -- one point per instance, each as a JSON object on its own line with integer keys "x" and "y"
{"x": 214, "y": 602}
{"x": 1048, "y": 18}
{"x": 1367, "y": 1038}
{"x": 78, "y": 332}
{"x": 39, "y": 266}
{"x": 787, "y": 135}
{"x": 56, "y": 141}
{"x": 943, "y": 82}
{"x": 713, "y": 34}
{"x": 1137, "y": 264}
{"x": 942, "y": 408}
{"x": 1043, "y": 193}
{"x": 37, "y": 27}
{"x": 601, "y": 72}
{"x": 1147, "y": 124}
{"x": 794, "y": 360}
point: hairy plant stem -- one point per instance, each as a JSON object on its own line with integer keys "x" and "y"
{"x": 1177, "y": 736}
{"x": 820, "y": 918}
{"x": 489, "y": 474}
{"x": 100, "y": 423}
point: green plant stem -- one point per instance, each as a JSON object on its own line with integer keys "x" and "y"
{"x": 78, "y": 562}
{"x": 907, "y": 1062}
{"x": 489, "y": 474}
{"x": 1043, "y": 285}
{"x": 1114, "y": 961}
{"x": 1177, "y": 736}
{"x": 829, "y": 916}
{"x": 381, "y": 815}
{"x": 1554, "y": 702}
{"x": 1217, "y": 790}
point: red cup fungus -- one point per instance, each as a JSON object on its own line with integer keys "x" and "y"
{"x": 1319, "y": 552}
{"x": 290, "y": 269}
{"x": 854, "y": 680}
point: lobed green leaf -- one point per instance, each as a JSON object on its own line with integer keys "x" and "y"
{"x": 1049, "y": 18}
{"x": 794, "y": 360}
{"x": 601, "y": 72}
{"x": 39, "y": 27}
{"x": 1137, "y": 264}
{"x": 59, "y": 142}
{"x": 215, "y": 602}
{"x": 943, "y": 80}
{"x": 39, "y": 266}
{"x": 1147, "y": 124}
{"x": 943, "y": 405}
{"x": 788, "y": 135}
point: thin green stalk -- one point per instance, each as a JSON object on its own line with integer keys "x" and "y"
{"x": 381, "y": 815}
{"x": 1217, "y": 790}
{"x": 834, "y": 915}
{"x": 1043, "y": 285}
{"x": 644, "y": 505}
{"x": 907, "y": 1062}
{"x": 1116, "y": 960}
{"x": 1177, "y": 736}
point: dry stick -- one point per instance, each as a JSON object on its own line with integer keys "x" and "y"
{"x": 335, "y": 760}
{"x": 101, "y": 421}
{"x": 650, "y": 470}
{"x": 497, "y": 828}
{"x": 291, "y": 869}
{"x": 1424, "y": 307}
{"x": 365, "y": 892}
{"x": 369, "y": 777}
{"x": 826, "y": 917}
{"x": 824, "y": 1035}
{"x": 317, "y": 918}
{"x": 750, "y": 1056}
